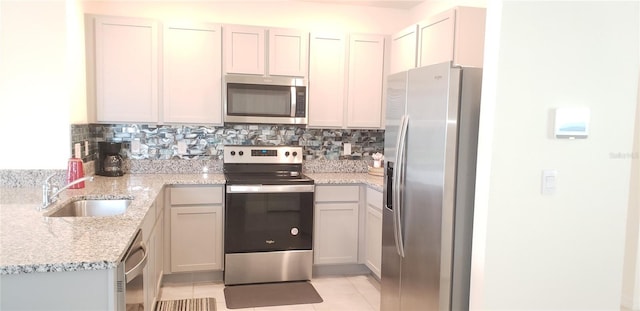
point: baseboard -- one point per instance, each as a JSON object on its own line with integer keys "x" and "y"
{"x": 192, "y": 277}
{"x": 217, "y": 276}
{"x": 627, "y": 303}
{"x": 347, "y": 269}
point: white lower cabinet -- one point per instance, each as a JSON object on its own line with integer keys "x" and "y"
{"x": 373, "y": 231}
{"x": 196, "y": 228}
{"x": 336, "y": 224}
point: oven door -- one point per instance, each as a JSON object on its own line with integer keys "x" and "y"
{"x": 262, "y": 218}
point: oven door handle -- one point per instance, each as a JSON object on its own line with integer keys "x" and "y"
{"x": 269, "y": 188}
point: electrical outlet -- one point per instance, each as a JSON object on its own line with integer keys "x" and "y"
{"x": 346, "y": 149}
{"x": 135, "y": 146}
{"x": 182, "y": 147}
{"x": 86, "y": 148}
{"x": 77, "y": 151}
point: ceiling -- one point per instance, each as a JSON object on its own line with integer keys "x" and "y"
{"x": 394, "y": 4}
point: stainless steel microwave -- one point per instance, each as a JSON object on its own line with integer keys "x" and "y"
{"x": 270, "y": 100}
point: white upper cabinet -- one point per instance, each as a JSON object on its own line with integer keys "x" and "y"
{"x": 403, "y": 49}
{"x": 288, "y": 50}
{"x": 246, "y": 51}
{"x": 334, "y": 99}
{"x": 366, "y": 66}
{"x": 126, "y": 70}
{"x": 192, "y": 73}
{"x": 327, "y": 79}
{"x": 455, "y": 35}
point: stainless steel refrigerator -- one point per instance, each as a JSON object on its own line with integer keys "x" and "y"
{"x": 430, "y": 152}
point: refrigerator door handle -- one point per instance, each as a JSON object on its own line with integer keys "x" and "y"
{"x": 398, "y": 189}
{"x": 395, "y": 195}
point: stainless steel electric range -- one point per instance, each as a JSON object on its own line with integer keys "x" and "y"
{"x": 268, "y": 215}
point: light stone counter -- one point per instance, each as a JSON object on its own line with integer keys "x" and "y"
{"x": 30, "y": 242}
{"x": 375, "y": 182}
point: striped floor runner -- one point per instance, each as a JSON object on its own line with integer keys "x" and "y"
{"x": 195, "y": 304}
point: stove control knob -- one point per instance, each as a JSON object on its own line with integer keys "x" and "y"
{"x": 240, "y": 152}
{"x": 233, "y": 153}
{"x": 286, "y": 154}
{"x": 295, "y": 154}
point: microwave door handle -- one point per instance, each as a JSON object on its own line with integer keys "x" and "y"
{"x": 293, "y": 101}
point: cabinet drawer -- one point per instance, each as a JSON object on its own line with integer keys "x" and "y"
{"x": 337, "y": 193}
{"x": 374, "y": 198}
{"x": 196, "y": 195}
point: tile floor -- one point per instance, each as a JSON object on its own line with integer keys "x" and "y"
{"x": 353, "y": 293}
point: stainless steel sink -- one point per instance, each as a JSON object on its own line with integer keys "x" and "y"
{"x": 92, "y": 207}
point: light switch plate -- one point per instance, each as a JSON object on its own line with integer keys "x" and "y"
{"x": 549, "y": 181}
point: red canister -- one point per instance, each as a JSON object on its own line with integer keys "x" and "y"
{"x": 75, "y": 171}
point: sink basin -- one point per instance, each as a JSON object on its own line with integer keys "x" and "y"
{"x": 92, "y": 207}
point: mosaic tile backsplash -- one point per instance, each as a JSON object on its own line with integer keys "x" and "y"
{"x": 165, "y": 142}
{"x": 198, "y": 149}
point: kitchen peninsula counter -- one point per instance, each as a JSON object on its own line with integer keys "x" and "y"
{"x": 31, "y": 242}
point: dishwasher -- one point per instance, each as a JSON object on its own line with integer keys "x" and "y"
{"x": 130, "y": 284}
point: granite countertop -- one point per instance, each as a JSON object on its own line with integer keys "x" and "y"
{"x": 375, "y": 182}
{"x": 30, "y": 242}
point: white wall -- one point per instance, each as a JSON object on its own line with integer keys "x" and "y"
{"x": 36, "y": 84}
{"x": 631, "y": 272}
{"x": 562, "y": 251}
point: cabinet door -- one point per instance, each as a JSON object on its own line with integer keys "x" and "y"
{"x": 469, "y": 37}
{"x": 126, "y": 70}
{"x": 436, "y": 39}
{"x": 244, "y": 49}
{"x": 288, "y": 50}
{"x": 196, "y": 238}
{"x": 158, "y": 254}
{"x": 327, "y": 80}
{"x": 336, "y": 233}
{"x": 373, "y": 231}
{"x": 366, "y": 63}
{"x": 149, "y": 280}
{"x": 192, "y": 73}
{"x": 404, "y": 47}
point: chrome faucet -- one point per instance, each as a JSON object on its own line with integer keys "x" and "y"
{"x": 50, "y": 192}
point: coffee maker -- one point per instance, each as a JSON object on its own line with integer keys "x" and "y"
{"x": 110, "y": 162}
